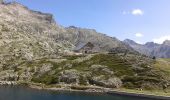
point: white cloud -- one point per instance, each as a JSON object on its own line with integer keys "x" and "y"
{"x": 137, "y": 12}
{"x": 139, "y": 35}
{"x": 160, "y": 40}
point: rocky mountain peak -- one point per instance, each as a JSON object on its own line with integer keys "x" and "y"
{"x": 167, "y": 42}
{"x": 14, "y": 11}
{"x": 73, "y": 27}
{"x": 151, "y": 44}
{"x": 130, "y": 42}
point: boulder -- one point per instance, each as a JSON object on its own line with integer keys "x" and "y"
{"x": 45, "y": 68}
{"x": 69, "y": 77}
{"x": 108, "y": 83}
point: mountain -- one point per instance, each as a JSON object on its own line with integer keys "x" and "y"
{"x": 27, "y": 35}
{"x": 167, "y": 42}
{"x": 31, "y": 35}
{"x": 151, "y": 48}
{"x": 34, "y": 48}
{"x": 77, "y": 35}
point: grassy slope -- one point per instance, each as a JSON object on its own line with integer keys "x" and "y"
{"x": 163, "y": 64}
{"x": 123, "y": 67}
{"x": 114, "y": 63}
{"x": 149, "y": 79}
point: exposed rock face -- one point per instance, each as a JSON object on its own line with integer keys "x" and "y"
{"x": 69, "y": 77}
{"x": 8, "y": 75}
{"x": 45, "y": 68}
{"x": 101, "y": 80}
{"x": 75, "y": 77}
{"x": 109, "y": 83}
{"x": 151, "y": 49}
{"x": 26, "y": 35}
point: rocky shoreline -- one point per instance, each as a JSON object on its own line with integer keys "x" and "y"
{"x": 8, "y": 83}
{"x": 96, "y": 89}
{"x": 72, "y": 88}
{"x": 111, "y": 92}
{"x": 87, "y": 89}
{"x": 140, "y": 95}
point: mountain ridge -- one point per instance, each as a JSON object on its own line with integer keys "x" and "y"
{"x": 151, "y": 48}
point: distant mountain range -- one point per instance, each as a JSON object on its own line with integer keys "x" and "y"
{"x": 151, "y": 48}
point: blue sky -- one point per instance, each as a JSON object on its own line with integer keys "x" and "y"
{"x": 139, "y": 20}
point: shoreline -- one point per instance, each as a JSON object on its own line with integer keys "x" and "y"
{"x": 96, "y": 89}
{"x": 69, "y": 88}
{"x": 92, "y": 89}
{"x": 142, "y": 95}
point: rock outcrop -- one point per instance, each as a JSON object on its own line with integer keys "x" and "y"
{"x": 69, "y": 77}
{"x": 108, "y": 83}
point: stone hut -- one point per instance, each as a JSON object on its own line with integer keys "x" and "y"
{"x": 86, "y": 48}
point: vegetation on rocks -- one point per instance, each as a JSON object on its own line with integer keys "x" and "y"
{"x": 34, "y": 48}
{"x": 107, "y": 70}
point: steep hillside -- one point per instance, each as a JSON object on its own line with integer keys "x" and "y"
{"x": 79, "y": 35}
{"x": 27, "y": 36}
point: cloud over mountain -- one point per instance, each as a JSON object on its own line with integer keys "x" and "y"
{"x": 161, "y": 39}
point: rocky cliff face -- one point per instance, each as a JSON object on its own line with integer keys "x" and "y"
{"x": 26, "y": 35}
{"x": 151, "y": 49}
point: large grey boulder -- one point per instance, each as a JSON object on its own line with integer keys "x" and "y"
{"x": 108, "y": 83}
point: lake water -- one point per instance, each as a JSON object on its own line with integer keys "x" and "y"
{"x": 24, "y": 93}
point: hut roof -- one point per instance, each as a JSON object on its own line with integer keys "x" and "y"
{"x": 81, "y": 45}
